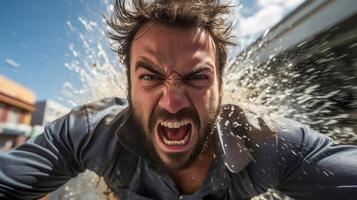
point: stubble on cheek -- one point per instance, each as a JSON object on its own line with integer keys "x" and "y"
{"x": 145, "y": 131}
{"x": 147, "y": 121}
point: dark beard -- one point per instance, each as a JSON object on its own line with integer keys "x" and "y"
{"x": 204, "y": 135}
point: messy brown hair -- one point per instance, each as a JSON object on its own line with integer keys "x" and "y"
{"x": 127, "y": 19}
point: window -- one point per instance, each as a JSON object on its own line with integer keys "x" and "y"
{"x": 14, "y": 115}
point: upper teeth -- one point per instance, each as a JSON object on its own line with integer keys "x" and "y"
{"x": 174, "y": 124}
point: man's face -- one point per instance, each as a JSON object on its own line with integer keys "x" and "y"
{"x": 174, "y": 90}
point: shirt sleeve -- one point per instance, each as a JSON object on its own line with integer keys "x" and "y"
{"x": 46, "y": 162}
{"x": 312, "y": 167}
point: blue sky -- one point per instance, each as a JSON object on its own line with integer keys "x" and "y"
{"x": 35, "y": 37}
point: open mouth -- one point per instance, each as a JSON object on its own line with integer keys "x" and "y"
{"x": 174, "y": 135}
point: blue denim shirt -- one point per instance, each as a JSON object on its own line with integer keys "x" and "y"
{"x": 102, "y": 137}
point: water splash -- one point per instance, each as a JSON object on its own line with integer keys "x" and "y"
{"x": 92, "y": 61}
{"x": 279, "y": 88}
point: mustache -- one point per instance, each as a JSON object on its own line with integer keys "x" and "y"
{"x": 162, "y": 114}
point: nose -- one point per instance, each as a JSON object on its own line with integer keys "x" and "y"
{"x": 173, "y": 101}
{"x": 173, "y": 98}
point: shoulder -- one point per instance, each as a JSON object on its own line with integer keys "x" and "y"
{"x": 99, "y": 145}
{"x": 96, "y": 111}
{"x": 102, "y": 107}
{"x": 83, "y": 119}
{"x": 297, "y": 135}
{"x": 291, "y": 141}
{"x": 103, "y": 104}
{"x": 293, "y": 144}
{"x": 262, "y": 134}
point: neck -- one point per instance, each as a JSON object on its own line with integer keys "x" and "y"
{"x": 191, "y": 178}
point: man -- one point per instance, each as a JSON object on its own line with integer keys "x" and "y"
{"x": 172, "y": 139}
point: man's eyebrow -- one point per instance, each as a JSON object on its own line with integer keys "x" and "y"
{"x": 200, "y": 68}
{"x": 144, "y": 63}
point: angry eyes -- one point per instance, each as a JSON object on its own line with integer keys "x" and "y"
{"x": 194, "y": 79}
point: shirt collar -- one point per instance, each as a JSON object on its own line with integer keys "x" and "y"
{"x": 228, "y": 137}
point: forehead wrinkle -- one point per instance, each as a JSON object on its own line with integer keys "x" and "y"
{"x": 164, "y": 54}
{"x": 200, "y": 59}
{"x": 155, "y": 64}
{"x": 148, "y": 61}
{"x": 145, "y": 45}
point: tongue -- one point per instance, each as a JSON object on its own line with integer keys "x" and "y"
{"x": 175, "y": 133}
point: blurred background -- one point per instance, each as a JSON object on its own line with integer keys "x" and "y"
{"x": 293, "y": 58}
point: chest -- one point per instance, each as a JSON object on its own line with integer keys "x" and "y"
{"x": 148, "y": 184}
{"x": 188, "y": 182}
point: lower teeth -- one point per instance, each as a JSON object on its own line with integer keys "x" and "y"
{"x": 175, "y": 142}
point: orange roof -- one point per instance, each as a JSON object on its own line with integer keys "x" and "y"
{"x": 16, "y": 91}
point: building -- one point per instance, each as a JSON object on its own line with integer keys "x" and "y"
{"x": 46, "y": 111}
{"x": 16, "y": 106}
